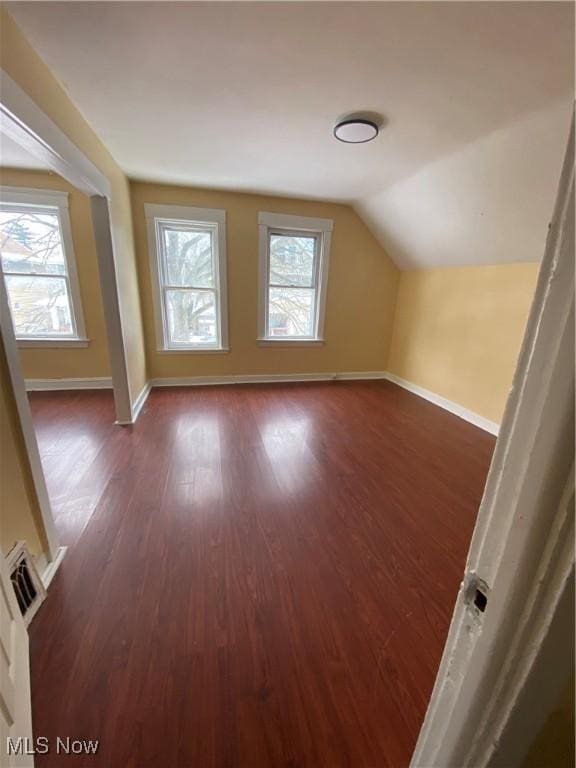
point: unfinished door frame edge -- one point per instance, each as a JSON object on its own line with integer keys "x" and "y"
{"x": 490, "y": 658}
{"x": 25, "y": 123}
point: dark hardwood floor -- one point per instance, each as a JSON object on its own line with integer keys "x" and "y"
{"x": 257, "y": 575}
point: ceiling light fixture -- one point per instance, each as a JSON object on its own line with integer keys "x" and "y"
{"x": 356, "y": 131}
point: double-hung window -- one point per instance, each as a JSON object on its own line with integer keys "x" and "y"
{"x": 188, "y": 269}
{"x": 39, "y": 269}
{"x": 294, "y": 254}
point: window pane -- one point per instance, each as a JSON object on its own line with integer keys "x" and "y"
{"x": 191, "y": 317}
{"x": 31, "y": 242}
{"x": 40, "y": 306}
{"x": 188, "y": 255}
{"x": 291, "y": 312}
{"x": 292, "y": 260}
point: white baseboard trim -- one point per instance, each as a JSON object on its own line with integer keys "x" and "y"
{"x": 140, "y": 400}
{"x": 43, "y": 385}
{"x": 201, "y": 381}
{"x": 270, "y": 378}
{"x": 359, "y": 375}
{"x": 448, "y": 405}
{"x": 47, "y": 570}
{"x": 37, "y": 385}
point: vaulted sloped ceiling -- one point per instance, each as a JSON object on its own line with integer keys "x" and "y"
{"x": 477, "y": 100}
{"x": 488, "y": 202}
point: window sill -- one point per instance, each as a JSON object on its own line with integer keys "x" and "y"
{"x": 194, "y": 351}
{"x": 52, "y": 343}
{"x": 290, "y": 342}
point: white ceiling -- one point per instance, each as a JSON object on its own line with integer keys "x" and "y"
{"x": 12, "y": 155}
{"x": 476, "y": 98}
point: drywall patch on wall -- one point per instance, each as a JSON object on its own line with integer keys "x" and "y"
{"x": 361, "y": 293}
{"x": 458, "y": 331}
{"x": 61, "y": 362}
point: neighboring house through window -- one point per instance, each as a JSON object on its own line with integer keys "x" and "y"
{"x": 294, "y": 256}
{"x": 188, "y": 269}
{"x": 39, "y": 268}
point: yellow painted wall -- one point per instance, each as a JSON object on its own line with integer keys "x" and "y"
{"x": 22, "y": 63}
{"x": 457, "y": 332}
{"x": 56, "y": 362}
{"x": 19, "y": 512}
{"x": 361, "y": 293}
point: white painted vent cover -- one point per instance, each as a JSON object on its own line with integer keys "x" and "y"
{"x": 28, "y": 587}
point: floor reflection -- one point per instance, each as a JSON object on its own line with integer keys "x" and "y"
{"x": 285, "y": 441}
{"x": 75, "y": 462}
{"x": 197, "y": 459}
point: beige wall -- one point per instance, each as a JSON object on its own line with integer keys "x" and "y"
{"x": 20, "y": 516}
{"x": 55, "y": 362}
{"x": 23, "y": 64}
{"x": 457, "y": 332}
{"x": 360, "y": 300}
{"x": 553, "y": 747}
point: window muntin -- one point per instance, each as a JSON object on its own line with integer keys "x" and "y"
{"x": 294, "y": 254}
{"x": 189, "y": 267}
{"x": 35, "y": 265}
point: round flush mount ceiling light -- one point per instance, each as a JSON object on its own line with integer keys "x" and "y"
{"x": 356, "y": 130}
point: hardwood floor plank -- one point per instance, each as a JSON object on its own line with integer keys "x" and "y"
{"x": 258, "y": 575}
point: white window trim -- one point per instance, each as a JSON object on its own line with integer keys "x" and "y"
{"x": 268, "y": 222}
{"x": 178, "y": 213}
{"x": 52, "y": 343}
{"x": 53, "y": 199}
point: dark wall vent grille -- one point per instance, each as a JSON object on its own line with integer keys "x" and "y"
{"x": 28, "y": 587}
{"x": 23, "y": 586}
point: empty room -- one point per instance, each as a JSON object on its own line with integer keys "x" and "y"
{"x": 287, "y": 403}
